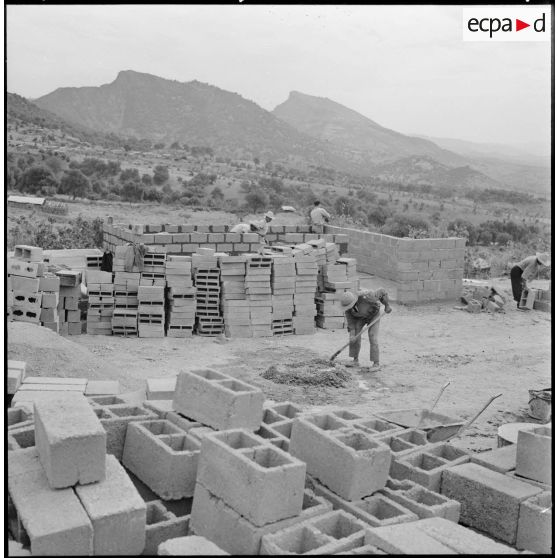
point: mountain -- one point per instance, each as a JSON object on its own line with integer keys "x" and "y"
{"x": 329, "y": 121}
{"x": 146, "y": 106}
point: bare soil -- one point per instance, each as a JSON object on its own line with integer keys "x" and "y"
{"x": 421, "y": 348}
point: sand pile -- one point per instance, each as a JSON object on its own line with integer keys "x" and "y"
{"x": 316, "y": 372}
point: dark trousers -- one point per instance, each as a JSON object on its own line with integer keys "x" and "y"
{"x": 355, "y": 325}
{"x": 517, "y": 288}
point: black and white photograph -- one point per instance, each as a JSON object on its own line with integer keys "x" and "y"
{"x": 278, "y": 278}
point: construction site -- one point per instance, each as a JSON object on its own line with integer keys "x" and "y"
{"x": 185, "y": 390}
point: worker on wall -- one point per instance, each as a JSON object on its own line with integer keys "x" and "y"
{"x": 262, "y": 227}
{"x": 360, "y": 310}
{"x": 525, "y": 271}
{"x": 318, "y": 217}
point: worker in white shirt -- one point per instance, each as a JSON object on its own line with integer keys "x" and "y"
{"x": 319, "y": 216}
{"x": 526, "y": 270}
{"x": 261, "y": 227}
{"x": 242, "y": 228}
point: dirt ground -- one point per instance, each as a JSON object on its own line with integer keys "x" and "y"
{"x": 421, "y": 348}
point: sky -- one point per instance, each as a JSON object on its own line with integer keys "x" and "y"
{"x": 405, "y": 67}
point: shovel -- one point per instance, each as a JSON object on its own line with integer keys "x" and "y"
{"x": 425, "y": 413}
{"x": 439, "y": 433}
{"x": 365, "y": 328}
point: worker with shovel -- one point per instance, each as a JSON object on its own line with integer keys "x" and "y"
{"x": 362, "y": 309}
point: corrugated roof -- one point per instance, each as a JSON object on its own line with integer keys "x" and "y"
{"x": 26, "y": 199}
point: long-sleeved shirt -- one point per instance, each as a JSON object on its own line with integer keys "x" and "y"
{"x": 319, "y": 215}
{"x": 530, "y": 266}
{"x": 262, "y": 227}
{"x": 368, "y": 304}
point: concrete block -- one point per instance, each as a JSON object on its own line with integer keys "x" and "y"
{"x": 425, "y": 467}
{"x": 534, "y": 454}
{"x": 116, "y": 511}
{"x": 489, "y": 500}
{"x": 500, "y": 460}
{"x": 54, "y": 520}
{"x": 28, "y": 398}
{"x": 16, "y": 549}
{"x": 162, "y": 525}
{"x": 217, "y": 400}
{"x": 161, "y": 407}
{"x": 404, "y": 442}
{"x": 162, "y": 456}
{"x": 220, "y": 523}
{"x": 190, "y": 546}
{"x": 71, "y": 441}
{"x": 160, "y": 388}
{"x": 534, "y": 530}
{"x": 376, "y": 510}
{"x": 102, "y": 387}
{"x": 18, "y": 417}
{"x": 15, "y": 375}
{"x": 259, "y": 481}
{"x": 21, "y": 437}
{"x": 331, "y": 533}
{"x": 350, "y": 462}
{"x": 421, "y": 501}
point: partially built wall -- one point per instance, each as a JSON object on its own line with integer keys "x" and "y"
{"x": 421, "y": 269}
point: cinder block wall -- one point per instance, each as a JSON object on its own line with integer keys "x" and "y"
{"x": 423, "y": 269}
{"x": 185, "y": 239}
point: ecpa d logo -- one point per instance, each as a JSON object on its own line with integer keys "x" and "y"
{"x": 515, "y": 23}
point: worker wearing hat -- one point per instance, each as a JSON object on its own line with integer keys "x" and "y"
{"x": 262, "y": 227}
{"x": 525, "y": 271}
{"x": 361, "y": 309}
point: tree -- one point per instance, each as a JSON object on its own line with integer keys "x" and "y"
{"x": 132, "y": 191}
{"x": 74, "y": 183}
{"x": 175, "y": 145}
{"x": 129, "y": 175}
{"x": 146, "y": 179}
{"x": 54, "y": 164}
{"x": 256, "y": 200}
{"x": 36, "y": 178}
{"x": 160, "y": 174}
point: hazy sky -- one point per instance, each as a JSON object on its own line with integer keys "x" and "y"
{"x": 405, "y": 67}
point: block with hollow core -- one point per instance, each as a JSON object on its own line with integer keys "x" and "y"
{"x": 348, "y": 461}
{"x": 160, "y": 388}
{"x": 405, "y": 442}
{"x": 259, "y": 481}
{"x": 115, "y": 419}
{"x": 375, "y": 510}
{"x": 18, "y": 417}
{"x": 70, "y": 440}
{"x": 162, "y": 525}
{"x": 425, "y": 467}
{"x": 102, "y": 387}
{"x": 421, "y": 501}
{"x": 215, "y": 520}
{"x": 190, "y": 546}
{"x": 534, "y": 530}
{"x": 489, "y": 500}
{"x": 217, "y": 400}
{"x": 21, "y": 437}
{"x": 116, "y": 511}
{"x": 54, "y": 520}
{"x": 534, "y": 454}
{"x": 330, "y": 533}
{"x": 162, "y": 456}
{"x": 433, "y": 536}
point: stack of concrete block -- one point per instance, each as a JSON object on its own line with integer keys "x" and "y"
{"x": 234, "y": 306}
{"x": 258, "y": 293}
{"x": 151, "y": 311}
{"x": 49, "y": 285}
{"x": 125, "y": 322}
{"x": 15, "y": 375}
{"x": 247, "y": 484}
{"x": 163, "y": 456}
{"x": 218, "y": 400}
{"x": 277, "y": 423}
{"x": 100, "y": 291}
{"x": 209, "y": 321}
{"x": 153, "y": 270}
{"x": 70, "y": 295}
{"x": 126, "y": 286}
{"x": 181, "y": 297}
{"x": 534, "y": 528}
{"x": 305, "y": 290}
{"x": 543, "y": 300}
{"x": 25, "y": 270}
{"x": 348, "y": 461}
{"x": 69, "y": 497}
{"x": 490, "y": 501}
{"x": 283, "y": 280}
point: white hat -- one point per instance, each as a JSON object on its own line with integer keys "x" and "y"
{"x": 543, "y": 258}
{"x": 269, "y": 214}
{"x": 348, "y": 300}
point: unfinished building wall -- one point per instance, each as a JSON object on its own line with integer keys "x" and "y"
{"x": 423, "y": 269}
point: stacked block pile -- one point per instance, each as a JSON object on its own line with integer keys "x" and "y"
{"x": 211, "y": 458}
{"x": 234, "y": 306}
{"x": 536, "y": 299}
{"x": 258, "y": 294}
{"x": 283, "y": 287}
{"x": 151, "y": 311}
{"x": 336, "y": 277}
{"x": 69, "y": 311}
{"x": 207, "y": 274}
{"x": 181, "y": 297}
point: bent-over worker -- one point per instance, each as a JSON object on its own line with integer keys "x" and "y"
{"x": 361, "y": 309}
{"x": 525, "y": 271}
{"x": 262, "y": 227}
